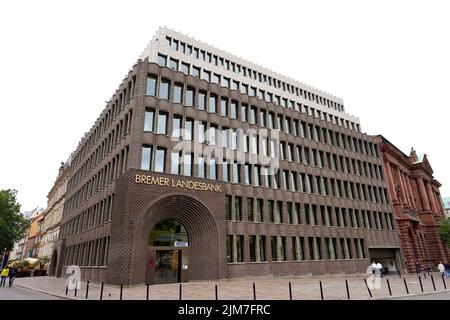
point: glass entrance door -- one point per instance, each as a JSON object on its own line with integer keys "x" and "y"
{"x": 167, "y": 267}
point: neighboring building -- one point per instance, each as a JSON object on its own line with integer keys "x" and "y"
{"x": 417, "y": 205}
{"x": 147, "y": 202}
{"x": 32, "y": 237}
{"x": 53, "y": 213}
{"x": 446, "y": 202}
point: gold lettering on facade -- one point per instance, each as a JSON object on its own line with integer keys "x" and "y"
{"x": 177, "y": 183}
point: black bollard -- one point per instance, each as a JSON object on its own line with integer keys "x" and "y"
{"x": 87, "y": 289}
{"x": 406, "y": 286}
{"x": 389, "y": 286}
{"x": 101, "y": 291}
{"x": 67, "y": 289}
{"x": 443, "y": 280}
{"x": 432, "y": 281}
{"x": 424, "y": 275}
{"x": 148, "y": 292}
{"x": 75, "y": 294}
{"x": 290, "y": 291}
{"x": 421, "y": 285}
{"x": 254, "y": 291}
{"x": 321, "y": 290}
{"x": 121, "y": 291}
{"x": 348, "y": 291}
{"x": 217, "y": 293}
{"x": 370, "y": 293}
{"x": 181, "y": 290}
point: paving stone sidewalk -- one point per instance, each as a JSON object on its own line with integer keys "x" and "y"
{"x": 308, "y": 288}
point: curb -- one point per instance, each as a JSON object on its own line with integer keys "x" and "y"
{"x": 45, "y": 292}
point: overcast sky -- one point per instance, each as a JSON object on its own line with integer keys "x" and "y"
{"x": 61, "y": 60}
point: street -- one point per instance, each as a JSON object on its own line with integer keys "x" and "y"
{"x": 18, "y": 293}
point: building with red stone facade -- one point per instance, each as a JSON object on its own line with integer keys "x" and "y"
{"x": 417, "y": 205}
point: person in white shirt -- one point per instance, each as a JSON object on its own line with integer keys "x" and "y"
{"x": 374, "y": 266}
{"x": 379, "y": 269}
{"x": 441, "y": 268}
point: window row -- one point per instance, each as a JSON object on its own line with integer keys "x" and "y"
{"x": 117, "y": 105}
{"x": 238, "y": 69}
{"x": 258, "y": 210}
{"x": 191, "y": 164}
{"x": 109, "y": 173}
{"x": 112, "y": 139}
{"x": 204, "y": 100}
{"x": 90, "y": 218}
{"x": 88, "y": 254}
{"x": 261, "y": 248}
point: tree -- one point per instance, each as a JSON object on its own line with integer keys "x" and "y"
{"x": 444, "y": 231}
{"x": 12, "y": 223}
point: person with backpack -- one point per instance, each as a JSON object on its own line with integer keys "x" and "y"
{"x": 5, "y": 274}
{"x": 12, "y": 276}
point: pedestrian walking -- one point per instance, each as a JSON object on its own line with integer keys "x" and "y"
{"x": 380, "y": 269}
{"x": 12, "y": 276}
{"x": 5, "y": 274}
{"x": 447, "y": 269}
{"x": 374, "y": 267}
{"x": 417, "y": 264}
{"x": 441, "y": 268}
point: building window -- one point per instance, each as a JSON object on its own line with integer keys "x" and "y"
{"x": 233, "y": 111}
{"x": 189, "y": 97}
{"x": 188, "y": 129}
{"x": 250, "y": 216}
{"x": 177, "y": 93}
{"x": 224, "y": 107}
{"x": 262, "y": 248}
{"x": 238, "y": 208}
{"x": 240, "y": 248}
{"x": 228, "y": 207}
{"x": 146, "y": 157}
{"x": 160, "y": 159}
{"x": 149, "y": 120}
{"x": 176, "y": 127}
{"x": 212, "y": 169}
{"x": 229, "y": 248}
{"x": 252, "y": 246}
{"x": 201, "y": 100}
{"x": 151, "y": 85}
{"x": 175, "y": 169}
{"x": 164, "y": 89}
{"x": 259, "y": 210}
{"x": 187, "y": 164}
{"x": 162, "y": 60}
{"x": 162, "y": 123}
{"x": 212, "y": 103}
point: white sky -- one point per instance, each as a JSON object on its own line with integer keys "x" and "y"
{"x": 60, "y": 61}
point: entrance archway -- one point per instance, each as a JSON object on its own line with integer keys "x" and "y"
{"x": 203, "y": 257}
{"x": 53, "y": 262}
{"x": 168, "y": 245}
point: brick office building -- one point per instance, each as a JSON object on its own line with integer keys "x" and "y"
{"x": 178, "y": 178}
{"x": 417, "y": 205}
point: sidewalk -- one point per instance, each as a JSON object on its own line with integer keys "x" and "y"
{"x": 333, "y": 288}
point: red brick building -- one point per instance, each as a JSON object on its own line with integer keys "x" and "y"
{"x": 417, "y": 205}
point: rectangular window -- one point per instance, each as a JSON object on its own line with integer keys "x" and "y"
{"x": 151, "y": 85}
{"x": 162, "y": 123}
{"x": 162, "y": 60}
{"x": 160, "y": 159}
{"x": 224, "y": 107}
{"x": 212, "y": 169}
{"x": 201, "y": 167}
{"x": 187, "y": 164}
{"x": 146, "y": 157}
{"x": 177, "y": 93}
{"x": 201, "y": 100}
{"x": 259, "y": 210}
{"x": 240, "y": 248}
{"x": 252, "y": 246}
{"x": 262, "y": 248}
{"x": 229, "y": 248}
{"x": 188, "y": 129}
{"x": 176, "y": 127}
{"x": 149, "y": 120}
{"x": 189, "y": 97}
{"x": 238, "y": 208}
{"x": 175, "y": 168}
{"x": 212, "y": 104}
{"x": 233, "y": 111}
{"x": 228, "y": 207}
{"x": 164, "y": 89}
{"x": 250, "y": 216}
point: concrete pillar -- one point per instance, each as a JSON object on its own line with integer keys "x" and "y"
{"x": 423, "y": 195}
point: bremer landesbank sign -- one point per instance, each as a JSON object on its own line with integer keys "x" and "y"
{"x": 177, "y": 183}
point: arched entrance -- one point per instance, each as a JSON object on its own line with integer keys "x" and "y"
{"x": 168, "y": 253}
{"x": 202, "y": 259}
{"x": 53, "y": 262}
